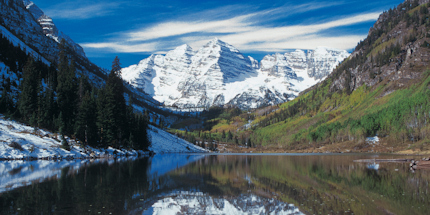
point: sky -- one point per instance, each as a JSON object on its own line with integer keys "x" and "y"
{"x": 133, "y": 30}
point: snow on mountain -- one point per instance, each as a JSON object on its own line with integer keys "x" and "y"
{"x": 22, "y": 20}
{"x": 218, "y": 74}
{"x": 49, "y": 27}
{"x": 17, "y": 42}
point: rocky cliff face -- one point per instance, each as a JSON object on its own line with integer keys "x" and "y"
{"x": 37, "y": 30}
{"x": 218, "y": 74}
{"x": 396, "y": 51}
{"x": 34, "y": 27}
{"x": 49, "y": 28}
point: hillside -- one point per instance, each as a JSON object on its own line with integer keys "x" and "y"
{"x": 47, "y": 82}
{"x": 381, "y": 90}
{"x": 19, "y": 141}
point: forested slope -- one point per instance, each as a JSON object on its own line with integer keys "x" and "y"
{"x": 382, "y": 89}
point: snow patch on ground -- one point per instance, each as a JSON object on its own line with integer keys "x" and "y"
{"x": 164, "y": 142}
{"x": 18, "y": 141}
{"x": 373, "y": 140}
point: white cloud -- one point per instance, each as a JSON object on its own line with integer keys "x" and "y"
{"x": 168, "y": 29}
{"x": 307, "y": 42}
{"x": 245, "y": 31}
{"x": 77, "y": 10}
{"x": 264, "y": 34}
{"x": 124, "y": 48}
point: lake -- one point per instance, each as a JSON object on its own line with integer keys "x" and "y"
{"x": 215, "y": 184}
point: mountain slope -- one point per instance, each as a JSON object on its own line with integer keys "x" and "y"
{"x": 19, "y": 141}
{"x": 218, "y": 74}
{"x": 29, "y": 28}
{"x": 383, "y": 89}
{"x": 62, "y": 79}
{"x": 24, "y": 20}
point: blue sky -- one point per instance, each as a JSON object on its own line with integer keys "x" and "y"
{"x": 133, "y": 30}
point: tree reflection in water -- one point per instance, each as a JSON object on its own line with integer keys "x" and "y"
{"x": 326, "y": 184}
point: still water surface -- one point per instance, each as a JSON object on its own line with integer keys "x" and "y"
{"x": 215, "y": 184}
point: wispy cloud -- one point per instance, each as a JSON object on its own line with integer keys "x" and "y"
{"x": 237, "y": 24}
{"x": 246, "y": 31}
{"x": 125, "y": 48}
{"x": 81, "y": 10}
{"x": 281, "y": 34}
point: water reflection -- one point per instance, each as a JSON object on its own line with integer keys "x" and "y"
{"x": 14, "y": 174}
{"x": 181, "y": 202}
{"x": 224, "y": 184}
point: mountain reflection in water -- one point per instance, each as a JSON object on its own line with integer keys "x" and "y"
{"x": 220, "y": 184}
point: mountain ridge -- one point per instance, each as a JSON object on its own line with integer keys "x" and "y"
{"x": 219, "y": 74}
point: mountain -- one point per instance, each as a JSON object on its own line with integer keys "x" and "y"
{"x": 381, "y": 91}
{"x": 25, "y": 22}
{"x": 49, "y": 28}
{"x": 218, "y": 74}
{"x": 46, "y": 81}
{"x": 28, "y": 27}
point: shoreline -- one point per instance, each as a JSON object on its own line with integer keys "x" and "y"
{"x": 381, "y": 147}
{"x": 70, "y": 158}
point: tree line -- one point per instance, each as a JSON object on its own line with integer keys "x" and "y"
{"x": 60, "y": 99}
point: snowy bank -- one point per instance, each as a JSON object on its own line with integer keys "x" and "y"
{"x": 18, "y": 141}
{"x": 164, "y": 142}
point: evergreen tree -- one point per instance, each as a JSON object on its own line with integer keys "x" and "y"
{"x": 6, "y": 102}
{"x": 86, "y": 127}
{"x": 114, "y": 109}
{"x": 229, "y": 136}
{"x": 48, "y": 109}
{"x": 102, "y": 117}
{"x": 28, "y": 96}
{"x": 66, "y": 90}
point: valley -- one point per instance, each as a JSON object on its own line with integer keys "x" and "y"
{"x": 320, "y": 100}
{"x": 381, "y": 90}
{"x": 268, "y": 107}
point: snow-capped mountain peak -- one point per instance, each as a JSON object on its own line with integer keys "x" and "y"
{"x": 180, "y": 51}
{"x": 218, "y": 74}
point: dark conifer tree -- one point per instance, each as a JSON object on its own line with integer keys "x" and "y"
{"x": 48, "y": 111}
{"x": 141, "y": 141}
{"x": 102, "y": 117}
{"x": 115, "y": 106}
{"x": 6, "y": 101}
{"x": 86, "y": 128}
{"x": 66, "y": 90}
{"x": 28, "y": 96}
